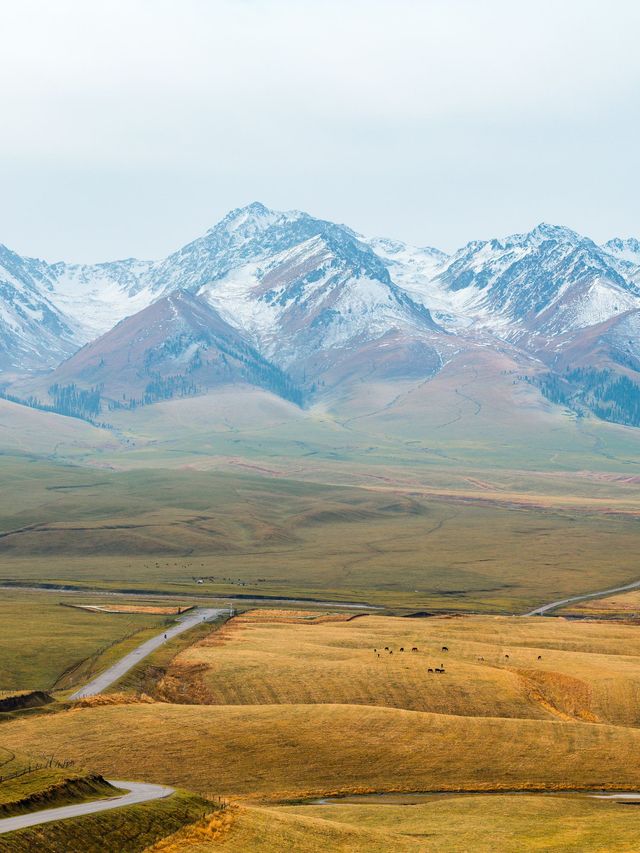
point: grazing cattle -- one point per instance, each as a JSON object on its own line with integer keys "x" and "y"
{"x": 390, "y": 651}
{"x": 430, "y": 669}
{"x": 539, "y": 657}
{"x": 507, "y": 657}
{"x": 445, "y": 649}
{"x": 439, "y": 669}
{"x": 386, "y": 648}
{"x": 414, "y": 649}
{"x": 378, "y": 654}
{"x": 401, "y": 648}
{"x": 481, "y": 659}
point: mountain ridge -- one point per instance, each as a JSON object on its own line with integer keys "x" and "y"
{"x": 321, "y": 304}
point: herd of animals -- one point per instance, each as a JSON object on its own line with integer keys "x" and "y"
{"x": 439, "y": 669}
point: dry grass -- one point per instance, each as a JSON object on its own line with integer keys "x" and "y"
{"x": 482, "y": 824}
{"x": 113, "y": 699}
{"x": 212, "y": 829}
{"x": 292, "y": 616}
{"x": 128, "y": 830}
{"x": 283, "y": 751}
{"x": 587, "y": 671}
{"x": 148, "y": 609}
{"x": 624, "y": 605}
{"x": 250, "y": 829}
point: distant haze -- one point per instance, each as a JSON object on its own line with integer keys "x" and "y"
{"x": 129, "y": 126}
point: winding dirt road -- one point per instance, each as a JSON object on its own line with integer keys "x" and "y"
{"x": 139, "y": 792}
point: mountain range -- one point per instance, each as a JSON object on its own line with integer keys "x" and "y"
{"x": 300, "y": 306}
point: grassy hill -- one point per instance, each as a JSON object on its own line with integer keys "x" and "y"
{"x": 285, "y": 751}
{"x": 554, "y": 670}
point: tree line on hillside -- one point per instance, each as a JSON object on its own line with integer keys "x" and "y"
{"x": 68, "y": 400}
{"x": 611, "y": 396}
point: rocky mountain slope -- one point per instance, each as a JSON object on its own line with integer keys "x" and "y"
{"x": 299, "y": 305}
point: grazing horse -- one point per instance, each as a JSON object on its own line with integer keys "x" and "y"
{"x": 445, "y": 649}
{"x": 414, "y": 649}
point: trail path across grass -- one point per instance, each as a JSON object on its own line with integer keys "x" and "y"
{"x": 109, "y": 676}
{"x": 545, "y": 608}
{"x": 139, "y": 792}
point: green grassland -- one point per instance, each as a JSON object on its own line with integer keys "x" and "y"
{"x": 157, "y": 530}
{"x": 44, "y": 645}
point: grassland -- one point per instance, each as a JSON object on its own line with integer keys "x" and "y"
{"x": 434, "y": 497}
{"x": 288, "y": 751}
{"x": 131, "y": 829}
{"x": 31, "y": 782}
{"x": 555, "y": 669}
{"x": 44, "y": 645}
{"x": 484, "y": 824}
{"x": 624, "y": 605}
{"x": 158, "y": 530}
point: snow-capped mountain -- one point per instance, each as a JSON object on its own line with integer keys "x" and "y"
{"x": 624, "y": 250}
{"x": 315, "y": 302}
{"x": 177, "y": 346}
{"x": 34, "y": 331}
{"x": 548, "y": 281}
{"x": 298, "y": 285}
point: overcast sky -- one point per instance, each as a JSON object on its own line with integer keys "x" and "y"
{"x": 131, "y": 126}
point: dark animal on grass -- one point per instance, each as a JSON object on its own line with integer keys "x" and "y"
{"x": 539, "y": 657}
{"x": 401, "y": 648}
{"x": 414, "y": 649}
{"x": 445, "y": 649}
{"x": 506, "y": 657}
{"x": 386, "y": 648}
{"x": 430, "y": 669}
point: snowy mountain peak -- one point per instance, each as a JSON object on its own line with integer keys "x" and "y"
{"x": 559, "y": 233}
{"x": 624, "y": 250}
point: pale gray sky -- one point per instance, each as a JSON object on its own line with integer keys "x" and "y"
{"x": 128, "y": 127}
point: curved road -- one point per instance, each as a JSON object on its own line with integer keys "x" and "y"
{"x": 545, "y": 608}
{"x": 139, "y": 792}
{"x": 107, "y": 678}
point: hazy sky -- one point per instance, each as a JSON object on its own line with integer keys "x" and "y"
{"x": 131, "y": 126}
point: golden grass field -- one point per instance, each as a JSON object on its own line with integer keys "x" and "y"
{"x": 143, "y": 609}
{"x": 301, "y": 706}
{"x": 587, "y": 671}
{"x": 288, "y": 751}
{"x": 483, "y": 824}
